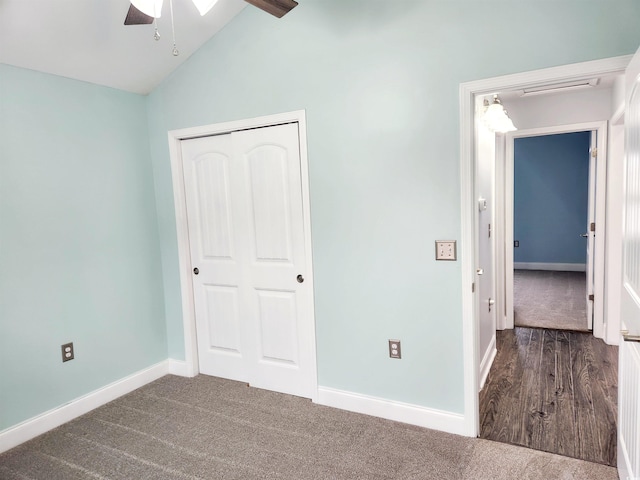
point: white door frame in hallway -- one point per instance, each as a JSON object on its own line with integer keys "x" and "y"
{"x": 185, "y": 265}
{"x": 469, "y": 211}
{"x": 600, "y": 128}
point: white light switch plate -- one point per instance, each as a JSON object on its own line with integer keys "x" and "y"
{"x": 445, "y": 250}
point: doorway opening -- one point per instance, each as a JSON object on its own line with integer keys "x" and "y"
{"x": 547, "y": 387}
{"x": 555, "y": 195}
{"x": 471, "y": 263}
{"x": 550, "y": 402}
{"x": 551, "y": 208}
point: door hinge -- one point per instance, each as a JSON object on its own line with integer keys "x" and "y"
{"x": 592, "y": 227}
{"x": 594, "y": 152}
{"x": 591, "y": 297}
{"x": 628, "y": 337}
{"x": 489, "y": 230}
{"x": 473, "y": 287}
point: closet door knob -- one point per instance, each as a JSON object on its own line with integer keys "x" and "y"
{"x": 300, "y": 278}
{"x": 196, "y": 271}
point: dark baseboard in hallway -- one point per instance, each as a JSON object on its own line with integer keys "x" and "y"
{"x": 555, "y": 391}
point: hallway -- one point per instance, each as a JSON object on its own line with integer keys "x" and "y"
{"x": 555, "y": 391}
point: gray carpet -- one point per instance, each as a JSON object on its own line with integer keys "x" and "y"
{"x": 545, "y": 299}
{"x": 208, "y": 428}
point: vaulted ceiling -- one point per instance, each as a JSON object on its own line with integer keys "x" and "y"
{"x": 87, "y": 39}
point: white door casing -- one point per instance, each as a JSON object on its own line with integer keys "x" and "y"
{"x": 631, "y": 234}
{"x": 614, "y": 214}
{"x": 629, "y": 353}
{"x": 257, "y": 246}
{"x": 590, "y": 233}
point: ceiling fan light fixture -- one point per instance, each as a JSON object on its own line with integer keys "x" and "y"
{"x": 204, "y": 6}
{"x": 153, "y": 8}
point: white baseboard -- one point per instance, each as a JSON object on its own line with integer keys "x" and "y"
{"x": 625, "y": 469}
{"x": 400, "y": 412}
{"x": 487, "y": 361}
{"x": 556, "y": 267}
{"x": 14, "y": 436}
{"x": 180, "y": 368}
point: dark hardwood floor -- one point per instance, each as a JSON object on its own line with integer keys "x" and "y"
{"x": 553, "y": 390}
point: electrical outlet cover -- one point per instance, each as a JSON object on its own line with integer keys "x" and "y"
{"x": 394, "y": 349}
{"x": 67, "y": 352}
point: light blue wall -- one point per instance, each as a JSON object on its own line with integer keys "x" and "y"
{"x": 379, "y": 81}
{"x": 79, "y": 251}
{"x": 551, "y": 194}
{"x": 81, "y": 245}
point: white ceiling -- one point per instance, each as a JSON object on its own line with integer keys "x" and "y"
{"x": 87, "y": 39}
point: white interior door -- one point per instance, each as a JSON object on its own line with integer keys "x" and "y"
{"x": 629, "y": 359}
{"x": 590, "y": 230}
{"x": 247, "y": 241}
{"x": 485, "y": 172}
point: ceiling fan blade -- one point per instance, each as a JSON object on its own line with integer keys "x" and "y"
{"x": 277, "y": 8}
{"x": 136, "y": 17}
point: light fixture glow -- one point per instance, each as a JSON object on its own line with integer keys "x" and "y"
{"x": 496, "y": 118}
{"x": 204, "y": 6}
{"x": 153, "y": 8}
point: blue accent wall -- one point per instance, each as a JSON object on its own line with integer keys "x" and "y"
{"x": 79, "y": 250}
{"x": 551, "y": 194}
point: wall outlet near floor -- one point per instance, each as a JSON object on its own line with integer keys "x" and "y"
{"x": 445, "y": 249}
{"x": 67, "y": 352}
{"x": 516, "y": 243}
{"x": 394, "y": 349}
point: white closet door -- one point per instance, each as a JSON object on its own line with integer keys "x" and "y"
{"x": 275, "y": 268}
{"x": 247, "y": 238}
{"x": 212, "y": 182}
